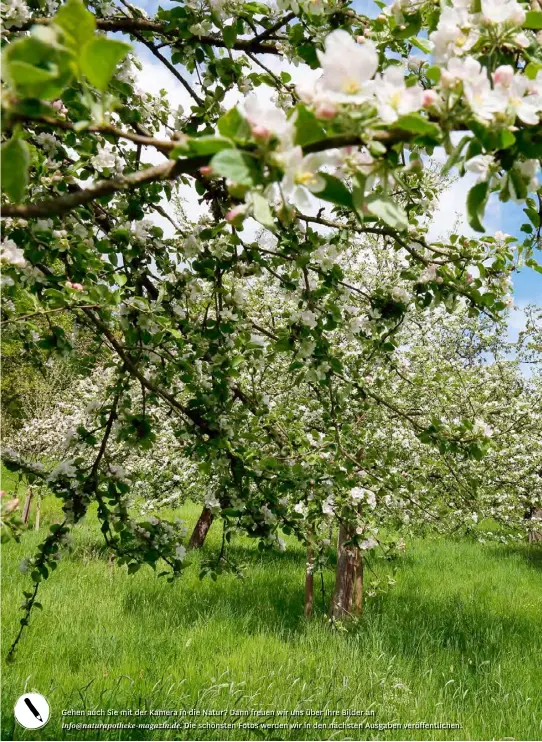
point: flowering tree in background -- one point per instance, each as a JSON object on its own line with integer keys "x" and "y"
{"x": 262, "y": 337}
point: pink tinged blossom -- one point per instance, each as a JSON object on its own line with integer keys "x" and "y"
{"x": 265, "y": 117}
{"x": 235, "y": 213}
{"x": 325, "y": 110}
{"x": 521, "y": 39}
{"x": 59, "y": 106}
{"x": 206, "y": 171}
{"x": 429, "y": 98}
{"x": 260, "y": 132}
{"x": 74, "y": 286}
{"x": 503, "y": 75}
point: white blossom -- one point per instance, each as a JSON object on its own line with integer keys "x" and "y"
{"x": 11, "y": 254}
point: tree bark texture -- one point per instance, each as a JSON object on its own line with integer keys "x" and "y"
{"x": 347, "y": 600}
{"x": 199, "y": 534}
{"x": 309, "y": 582}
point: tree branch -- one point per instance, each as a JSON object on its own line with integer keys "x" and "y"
{"x": 152, "y": 48}
{"x": 132, "y": 25}
{"x": 169, "y": 170}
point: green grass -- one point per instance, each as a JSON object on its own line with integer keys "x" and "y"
{"x": 458, "y": 639}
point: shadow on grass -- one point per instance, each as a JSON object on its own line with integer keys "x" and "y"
{"x": 530, "y": 553}
{"x": 413, "y": 626}
{"x": 269, "y": 602}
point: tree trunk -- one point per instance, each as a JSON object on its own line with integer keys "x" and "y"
{"x": 347, "y": 600}
{"x": 26, "y": 508}
{"x": 38, "y": 512}
{"x": 535, "y": 533}
{"x": 309, "y": 582}
{"x": 197, "y": 539}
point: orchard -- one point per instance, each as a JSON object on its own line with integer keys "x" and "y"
{"x": 240, "y": 301}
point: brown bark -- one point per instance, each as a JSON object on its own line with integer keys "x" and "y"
{"x": 26, "y": 508}
{"x": 347, "y": 600}
{"x": 309, "y": 582}
{"x": 199, "y": 534}
{"x": 535, "y": 534}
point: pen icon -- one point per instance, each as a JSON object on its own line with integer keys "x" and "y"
{"x": 33, "y": 709}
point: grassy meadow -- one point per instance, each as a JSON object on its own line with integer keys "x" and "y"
{"x": 457, "y": 639}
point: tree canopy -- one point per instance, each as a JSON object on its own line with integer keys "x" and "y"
{"x": 297, "y": 348}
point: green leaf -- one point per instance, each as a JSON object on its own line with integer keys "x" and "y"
{"x": 532, "y": 69}
{"x": 433, "y": 73}
{"x": 411, "y": 28}
{"x": 335, "y": 191}
{"x": 456, "y": 154}
{"x": 262, "y": 212}
{"x": 533, "y": 19}
{"x": 201, "y": 146}
{"x": 77, "y": 22}
{"x": 507, "y": 139}
{"x": 308, "y": 128}
{"x": 531, "y": 263}
{"x": 388, "y": 210}
{"x": 421, "y": 44}
{"x": 476, "y": 204}
{"x": 417, "y": 124}
{"x": 15, "y": 164}
{"x": 229, "y": 34}
{"x": 119, "y": 278}
{"x": 234, "y": 126}
{"x": 238, "y": 166}
{"x": 533, "y": 215}
{"x": 34, "y": 69}
{"x": 99, "y": 59}
{"x": 307, "y": 52}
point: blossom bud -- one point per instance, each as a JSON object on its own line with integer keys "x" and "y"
{"x": 503, "y": 75}
{"x": 518, "y": 16}
{"x": 325, "y": 111}
{"x": 446, "y": 79}
{"x": 206, "y": 171}
{"x": 469, "y": 278}
{"x": 429, "y": 98}
{"x": 522, "y": 40}
{"x": 360, "y": 39}
{"x": 74, "y": 286}
{"x": 59, "y": 106}
{"x": 260, "y": 132}
{"x": 350, "y": 13}
{"x": 381, "y": 18}
{"x": 11, "y": 505}
{"x": 234, "y": 213}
